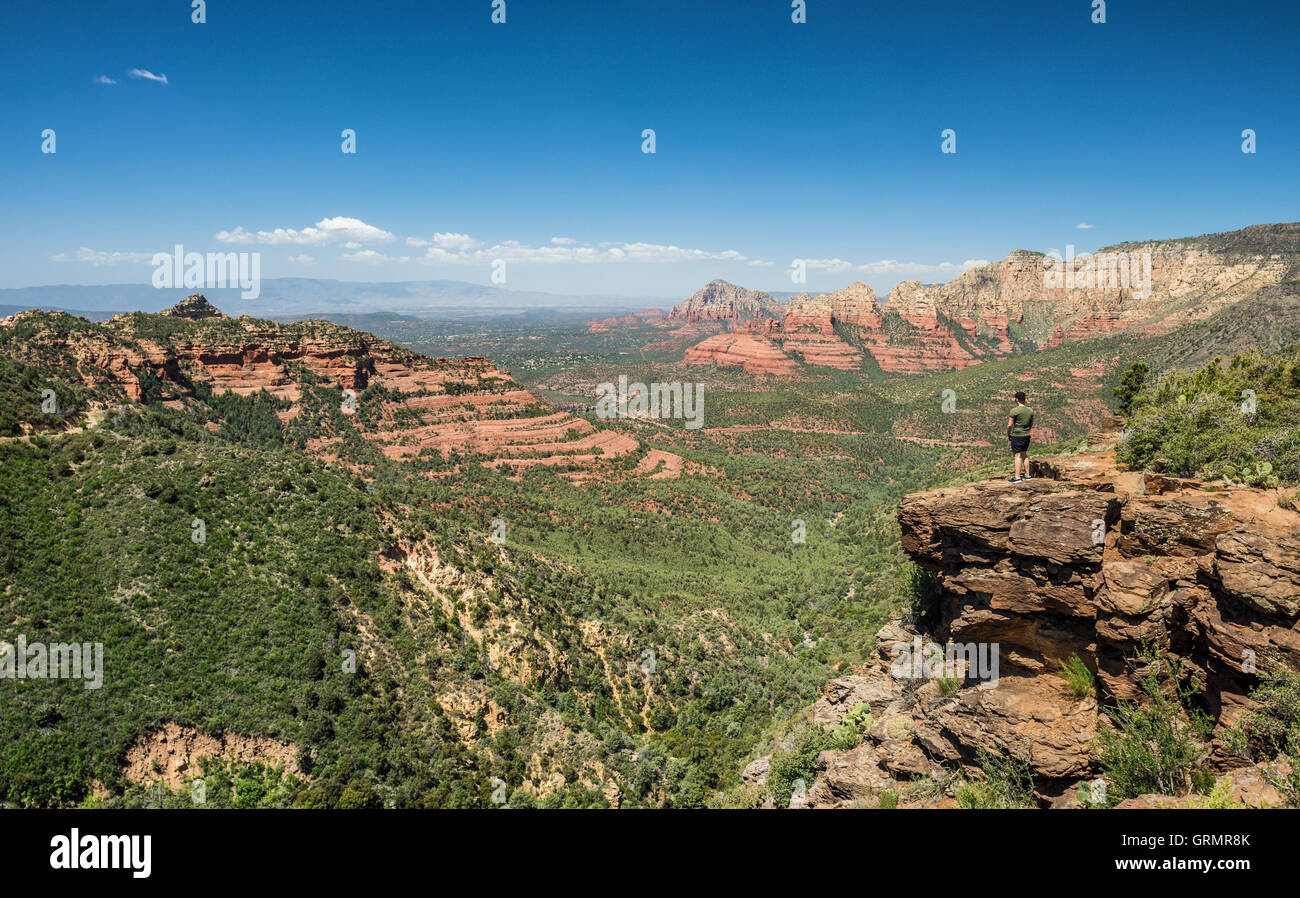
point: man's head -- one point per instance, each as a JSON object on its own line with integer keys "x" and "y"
{"x": 1020, "y": 397}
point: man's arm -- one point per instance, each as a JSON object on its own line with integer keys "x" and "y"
{"x": 1011, "y": 422}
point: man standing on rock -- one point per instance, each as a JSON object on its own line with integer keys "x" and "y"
{"x": 1019, "y": 426}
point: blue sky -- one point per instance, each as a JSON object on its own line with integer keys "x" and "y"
{"x": 522, "y": 141}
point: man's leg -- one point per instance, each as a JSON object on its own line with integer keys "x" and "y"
{"x": 1020, "y": 457}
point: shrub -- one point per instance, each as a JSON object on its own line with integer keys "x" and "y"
{"x": 1234, "y": 422}
{"x": 1078, "y": 677}
{"x": 798, "y": 763}
{"x": 1273, "y": 729}
{"x": 1155, "y": 746}
{"x": 923, "y": 590}
{"x": 1004, "y": 781}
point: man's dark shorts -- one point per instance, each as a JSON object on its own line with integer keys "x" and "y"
{"x": 1019, "y": 444}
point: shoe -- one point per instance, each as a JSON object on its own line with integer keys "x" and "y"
{"x": 1026, "y": 477}
{"x": 1014, "y": 479}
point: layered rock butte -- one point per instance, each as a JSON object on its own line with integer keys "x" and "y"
{"x": 651, "y": 317}
{"x": 1026, "y": 301}
{"x": 467, "y": 406}
{"x": 1209, "y": 576}
{"x": 720, "y": 301}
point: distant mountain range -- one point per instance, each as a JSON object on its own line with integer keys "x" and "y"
{"x": 1023, "y": 303}
{"x": 298, "y": 297}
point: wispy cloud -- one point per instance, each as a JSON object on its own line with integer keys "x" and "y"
{"x": 339, "y": 229}
{"x": 447, "y": 241}
{"x": 373, "y": 257}
{"x": 1083, "y": 226}
{"x": 459, "y": 248}
{"x": 99, "y": 258}
{"x": 147, "y": 75}
{"x": 103, "y": 79}
{"x": 893, "y": 266}
{"x": 464, "y": 250}
{"x": 831, "y": 265}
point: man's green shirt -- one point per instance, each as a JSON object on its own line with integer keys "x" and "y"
{"x": 1022, "y": 417}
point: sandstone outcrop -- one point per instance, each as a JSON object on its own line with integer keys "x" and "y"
{"x": 419, "y": 404}
{"x": 195, "y": 307}
{"x": 1083, "y": 560}
{"x": 1154, "y": 287}
{"x": 750, "y": 352}
{"x": 721, "y": 301}
{"x": 652, "y": 317}
{"x": 1024, "y": 302}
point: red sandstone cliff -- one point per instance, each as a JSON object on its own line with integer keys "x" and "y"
{"x": 1026, "y": 301}
{"x": 721, "y": 301}
{"x": 1085, "y": 559}
{"x": 466, "y": 406}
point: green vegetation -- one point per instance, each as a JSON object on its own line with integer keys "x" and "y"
{"x": 848, "y": 733}
{"x": 1157, "y": 744}
{"x": 635, "y": 640}
{"x": 1130, "y": 384}
{"x": 1080, "y": 680}
{"x": 1003, "y": 781}
{"x": 1272, "y": 729}
{"x": 1233, "y": 421}
{"x": 794, "y": 767}
{"x": 922, "y": 590}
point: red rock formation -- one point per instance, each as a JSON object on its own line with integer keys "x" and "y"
{"x": 469, "y": 406}
{"x": 1082, "y": 560}
{"x": 721, "y": 301}
{"x": 1031, "y": 301}
{"x": 752, "y": 353}
{"x": 194, "y": 307}
{"x": 809, "y": 327}
{"x": 1153, "y": 287}
{"x": 652, "y": 317}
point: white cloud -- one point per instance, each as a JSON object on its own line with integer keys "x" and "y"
{"x": 832, "y": 265}
{"x": 339, "y": 229}
{"x": 103, "y": 79}
{"x": 1081, "y": 226}
{"x": 461, "y": 249}
{"x": 147, "y": 75}
{"x": 447, "y": 241}
{"x": 98, "y": 257}
{"x": 893, "y": 266}
{"x": 368, "y": 256}
{"x": 457, "y": 248}
{"x": 302, "y": 259}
